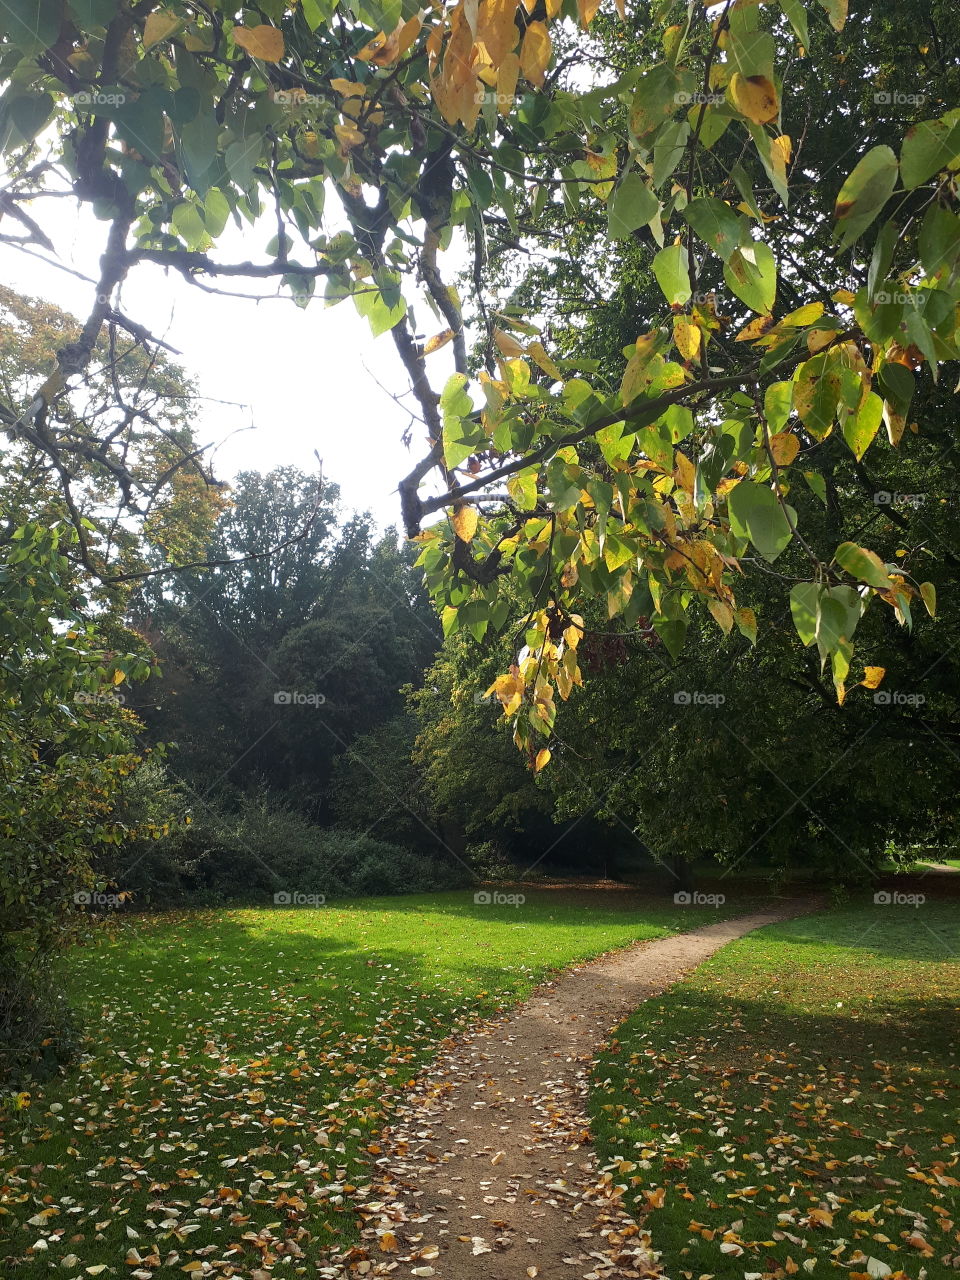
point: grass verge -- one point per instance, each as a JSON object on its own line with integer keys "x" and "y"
{"x": 792, "y": 1106}
{"x": 239, "y": 1062}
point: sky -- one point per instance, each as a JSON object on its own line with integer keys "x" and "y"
{"x": 298, "y": 380}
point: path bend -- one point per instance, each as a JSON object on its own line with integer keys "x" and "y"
{"x": 488, "y": 1171}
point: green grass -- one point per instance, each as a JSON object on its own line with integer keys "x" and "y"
{"x": 796, "y": 1099}
{"x": 239, "y": 1062}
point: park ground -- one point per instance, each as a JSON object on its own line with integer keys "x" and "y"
{"x": 791, "y": 1107}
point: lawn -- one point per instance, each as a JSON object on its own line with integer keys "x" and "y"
{"x": 793, "y": 1106}
{"x": 239, "y": 1062}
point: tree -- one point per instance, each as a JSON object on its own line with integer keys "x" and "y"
{"x": 67, "y": 744}
{"x": 653, "y": 489}
{"x": 272, "y": 665}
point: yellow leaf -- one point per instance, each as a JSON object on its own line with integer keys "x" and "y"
{"x": 348, "y": 135}
{"x": 507, "y": 78}
{"x": 158, "y": 26}
{"x": 754, "y": 97}
{"x": 755, "y": 329}
{"x": 588, "y": 11}
{"x": 817, "y": 339}
{"x": 370, "y": 50}
{"x": 407, "y": 33}
{"x": 784, "y": 446}
{"x": 388, "y": 1242}
{"x": 506, "y": 345}
{"x": 437, "y": 341}
{"x": 538, "y": 351}
{"x": 844, "y": 296}
{"x": 722, "y": 615}
{"x": 872, "y": 677}
{"x": 684, "y": 471}
{"x": 621, "y": 9}
{"x": 465, "y": 520}
{"x": 264, "y": 42}
{"x": 803, "y": 316}
{"x": 543, "y": 758}
{"x": 349, "y": 88}
{"x": 496, "y": 29}
{"x": 687, "y": 337}
{"x": 655, "y": 1198}
{"x": 781, "y": 150}
{"x": 119, "y": 677}
{"x": 535, "y": 53}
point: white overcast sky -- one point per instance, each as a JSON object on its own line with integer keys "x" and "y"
{"x": 305, "y": 379}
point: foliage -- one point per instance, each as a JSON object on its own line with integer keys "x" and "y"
{"x": 792, "y": 1104}
{"x": 267, "y": 1047}
{"x": 806, "y": 290}
{"x": 67, "y": 745}
{"x": 273, "y": 664}
{"x": 140, "y": 400}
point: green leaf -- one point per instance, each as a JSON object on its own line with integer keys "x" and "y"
{"x": 897, "y": 383}
{"x": 668, "y": 149}
{"x": 756, "y": 514}
{"x": 939, "y": 240}
{"x": 839, "y": 611}
{"x": 672, "y": 631}
{"x": 32, "y": 25}
{"x": 658, "y": 94}
{"x": 632, "y": 205}
{"x": 928, "y": 594}
{"x": 796, "y": 14}
{"x": 91, "y": 14}
{"x": 865, "y": 193}
{"x": 751, "y": 273}
{"x": 863, "y": 564}
{"x": 778, "y": 404}
{"x": 198, "y": 146}
{"x": 861, "y": 427}
{"x": 817, "y": 485}
{"x": 672, "y": 270}
{"x": 371, "y": 304}
{"x": 882, "y": 256}
{"x": 717, "y": 225}
{"x": 929, "y": 147}
{"x": 804, "y": 606}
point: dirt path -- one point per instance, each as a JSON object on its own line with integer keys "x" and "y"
{"x": 489, "y": 1172}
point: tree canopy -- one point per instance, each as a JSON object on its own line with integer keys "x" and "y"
{"x": 769, "y": 191}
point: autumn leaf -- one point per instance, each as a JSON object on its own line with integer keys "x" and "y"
{"x": 264, "y": 42}
{"x": 754, "y": 97}
{"x": 465, "y": 520}
{"x": 535, "y": 53}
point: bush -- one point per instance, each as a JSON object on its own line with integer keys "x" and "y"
{"x": 252, "y": 847}
{"x": 489, "y": 861}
